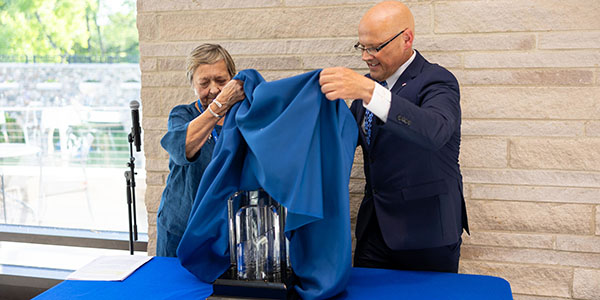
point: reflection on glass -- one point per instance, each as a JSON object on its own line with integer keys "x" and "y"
{"x": 256, "y": 235}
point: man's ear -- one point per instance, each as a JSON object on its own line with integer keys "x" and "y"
{"x": 408, "y": 38}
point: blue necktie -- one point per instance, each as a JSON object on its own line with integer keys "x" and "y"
{"x": 369, "y": 118}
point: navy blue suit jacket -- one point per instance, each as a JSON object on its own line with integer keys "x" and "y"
{"x": 413, "y": 180}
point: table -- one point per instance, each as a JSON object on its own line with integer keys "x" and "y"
{"x": 165, "y": 278}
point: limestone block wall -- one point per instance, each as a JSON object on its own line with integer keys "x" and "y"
{"x": 530, "y": 84}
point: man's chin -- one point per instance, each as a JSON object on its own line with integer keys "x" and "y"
{"x": 375, "y": 75}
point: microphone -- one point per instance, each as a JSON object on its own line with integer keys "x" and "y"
{"x": 136, "y": 131}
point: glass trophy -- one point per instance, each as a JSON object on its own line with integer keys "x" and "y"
{"x": 258, "y": 247}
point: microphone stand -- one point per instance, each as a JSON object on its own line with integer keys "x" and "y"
{"x": 130, "y": 179}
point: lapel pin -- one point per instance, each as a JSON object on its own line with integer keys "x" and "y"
{"x": 403, "y": 84}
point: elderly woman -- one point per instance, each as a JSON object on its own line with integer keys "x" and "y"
{"x": 193, "y": 130}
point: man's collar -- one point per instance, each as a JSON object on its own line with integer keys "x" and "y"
{"x": 391, "y": 81}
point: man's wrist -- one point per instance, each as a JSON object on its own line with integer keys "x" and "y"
{"x": 379, "y": 104}
{"x": 368, "y": 92}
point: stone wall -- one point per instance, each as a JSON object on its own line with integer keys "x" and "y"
{"x": 530, "y": 83}
{"x": 48, "y": 84}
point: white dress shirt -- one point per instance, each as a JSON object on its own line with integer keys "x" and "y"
{"x": 382, "y": 97}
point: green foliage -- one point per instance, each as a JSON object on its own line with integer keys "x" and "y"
{"x": 63, "y": 28}
{"x": 120, "y": 33}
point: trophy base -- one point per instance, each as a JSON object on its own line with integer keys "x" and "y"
{"x": 250, "y": 289}
{"x": 225, "y": 286}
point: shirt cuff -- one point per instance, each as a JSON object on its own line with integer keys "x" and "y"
{"x": 380, "y": 102}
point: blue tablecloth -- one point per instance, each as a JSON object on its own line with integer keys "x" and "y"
{"x": 165, "y": 278}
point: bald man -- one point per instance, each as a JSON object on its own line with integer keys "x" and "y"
{"x": 408, "y": 111}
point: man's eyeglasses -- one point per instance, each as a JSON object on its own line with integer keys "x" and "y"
{"x": 374, "y": 50}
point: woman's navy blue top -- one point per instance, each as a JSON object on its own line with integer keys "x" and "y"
{"x": 184, "y": 178}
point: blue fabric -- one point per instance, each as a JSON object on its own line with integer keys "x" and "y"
{"x": 160, "y": 278}
{"x": 299, "y": 147}
{"x": 368, "y": 283}
{"x": 182, "y": 183}
{"x": 164, "y": 278}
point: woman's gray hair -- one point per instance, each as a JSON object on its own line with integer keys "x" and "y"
{"x": 208, "y": 54}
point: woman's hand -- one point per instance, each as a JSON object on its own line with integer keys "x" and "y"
{"x": 199, "y": 129}
{"x": 231, "y": 93}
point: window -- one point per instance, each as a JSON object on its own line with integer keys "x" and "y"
{"x": 65, "y": 88}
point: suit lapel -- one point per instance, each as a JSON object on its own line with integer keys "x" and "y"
{"x": 408, "y": 75}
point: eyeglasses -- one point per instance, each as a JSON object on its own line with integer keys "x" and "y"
{"x": 374, "y": 50}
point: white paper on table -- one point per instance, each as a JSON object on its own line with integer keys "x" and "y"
{"x": 110, "y": 268}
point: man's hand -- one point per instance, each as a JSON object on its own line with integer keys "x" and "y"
{"x": 343, "y": 83}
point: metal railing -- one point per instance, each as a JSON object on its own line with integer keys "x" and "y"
{"x": 102, "y": 144}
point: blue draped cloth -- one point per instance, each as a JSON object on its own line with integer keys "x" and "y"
{"x": 288, "y": 139}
